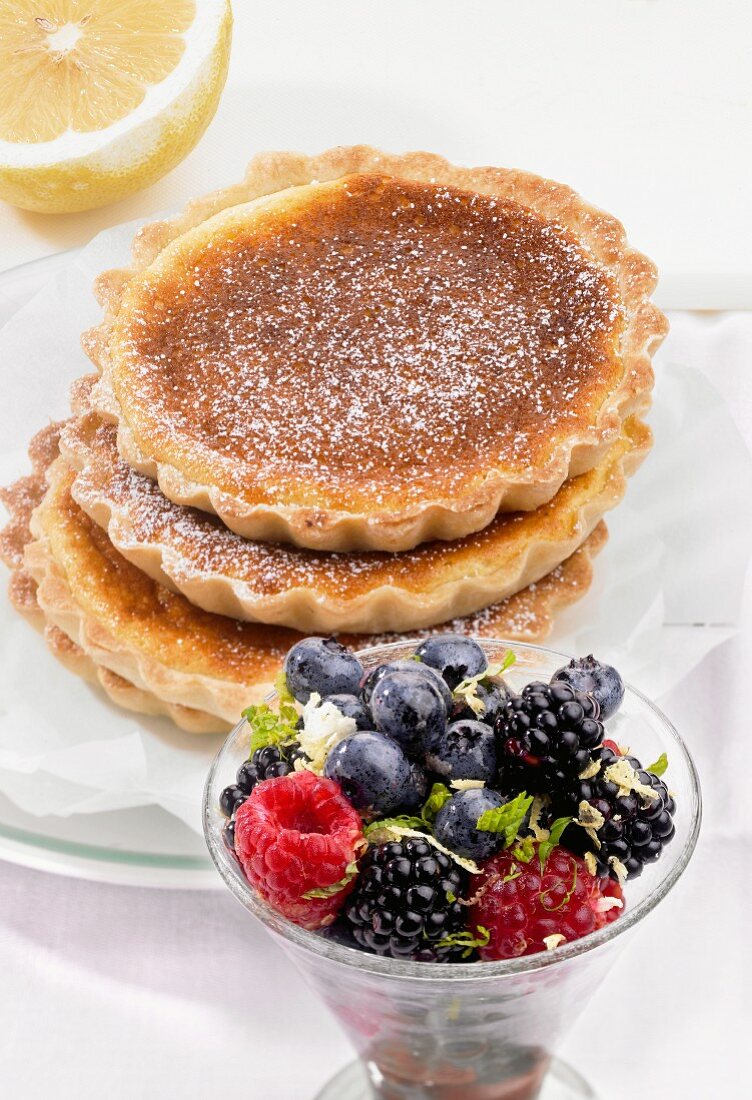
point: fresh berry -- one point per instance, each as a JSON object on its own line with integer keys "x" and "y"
{"x": 545, "y": 738}
{"x": 412, "y": 668}
{"x": 270, "y": 762}
{"x": 456, "y": 657}
{"x": 522, "y": 906}
{"x": 230, "y": 799}
{"x": 294, "y": 835}
{"x": 409, "y": 709}
{"x": 322, "y": 665}
{"x": 352, "y": 707}
{"x": 406, "y": 901}
{"x": 464, "y": 750}
{"x": 456, "y": 823}
{"x": 601, "y": 681}
{"x": 373, "y": 772}
{"x": 492, "y": 694}
{"x": 635, "y": 827}
{"x": 418, "y": 788}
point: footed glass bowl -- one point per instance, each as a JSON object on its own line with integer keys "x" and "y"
{"x": 470, "y": 1031}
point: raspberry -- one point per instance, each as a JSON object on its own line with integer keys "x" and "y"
{"x": 521, "y": 912}
{"x": 296, "y": 834}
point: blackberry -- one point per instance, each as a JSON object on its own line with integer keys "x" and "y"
{"x": 229, "y": 834}
{"x": 546, "y": 736}
{"x": 635, "y": 829}
{"x": 267, "y": 763}
{"x": 230, "y": 799}
{"x": 406, "y": 901}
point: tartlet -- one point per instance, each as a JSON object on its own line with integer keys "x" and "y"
{"x": 154, "y": 651}
{"x": 367, "y": 592}
{"x": 364, "y": 351}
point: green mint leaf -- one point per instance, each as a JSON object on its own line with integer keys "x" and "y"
{"x": 525, "y": 850}
{"x": 660, "y": 765}
{"x": 269, "y": 727}
{"x": 467, "y": 940}
{"x": 439, "y": 794}
{"x": 288, "y": 710}
{"x": 547, "y": 846}
{"x": 329, "y": 891}
{"x": 283, "y": 692}
{"x": 510, "y": 659}
{"x": 507, "y": 819}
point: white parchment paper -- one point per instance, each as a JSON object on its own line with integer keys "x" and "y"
{"x": 667, "y": 590}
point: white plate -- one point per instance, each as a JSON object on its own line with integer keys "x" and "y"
{"x": 646, "y": 576}
{"x": 135, "y": 847}
{"x": 138, "y": 847}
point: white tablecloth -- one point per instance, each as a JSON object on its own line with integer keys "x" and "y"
{"x": 149, "y": 993}
{"x": 643, "y": 106}
{"x": 128, "y": 993}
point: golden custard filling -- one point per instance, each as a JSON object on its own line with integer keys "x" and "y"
{"x": 366, "y": 344}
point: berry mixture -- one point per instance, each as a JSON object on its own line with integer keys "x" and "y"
{"x": 426, "y": 810}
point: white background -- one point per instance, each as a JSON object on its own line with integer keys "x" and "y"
{"x": 645, "y": 108}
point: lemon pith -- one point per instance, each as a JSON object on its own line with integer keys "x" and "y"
{"x": 100, "y": 98}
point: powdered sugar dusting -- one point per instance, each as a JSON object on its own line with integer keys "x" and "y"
{"x": 382, "y": 345}
{"x": 527, "y": 616}
{"x": 200, "y": 545}
{"x": 145, "y": 617}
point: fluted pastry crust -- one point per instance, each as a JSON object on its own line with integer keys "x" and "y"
{"x": 149, "y": 648}
{"x": 232, "y": 433}
{"x": 192, "y": 552}
{"x": 20, "y": 499}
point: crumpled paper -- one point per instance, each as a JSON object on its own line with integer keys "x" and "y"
{"x": 667, "y": 589}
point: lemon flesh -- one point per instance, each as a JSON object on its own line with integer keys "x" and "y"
{"x": 102, "y": 97}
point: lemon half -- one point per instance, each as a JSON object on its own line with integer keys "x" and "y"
{"x": 99, "y": 98}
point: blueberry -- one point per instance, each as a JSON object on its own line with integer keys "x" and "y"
{"x": 408, "y": 709}
{"x": 600, "y": 681}
{"x": 456, "y": 822}
{"x": 418, "y": 789}
{"x": 465, "y": 750}
{"x": 492, "y": 694}
{"x": 372, "y": 771}
{"x": 412, "y": 668}
{"x": 322, "y": 665}
{"x": 454, "y": 656}
{"x": 352, "y": 707}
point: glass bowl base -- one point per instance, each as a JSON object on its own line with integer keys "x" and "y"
{"x": 561, "y": 1083}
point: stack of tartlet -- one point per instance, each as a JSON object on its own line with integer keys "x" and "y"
{"x": 356, "y": 394}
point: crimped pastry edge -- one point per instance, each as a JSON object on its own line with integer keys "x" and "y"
{"x": 386, "y": 608}
{"x": 224, "y": 699}
{"x": 527, "y": 616}
{"x": 342, "y": 531}
{"x": 22, "y": 593}
{"x": 125, "y": 694}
